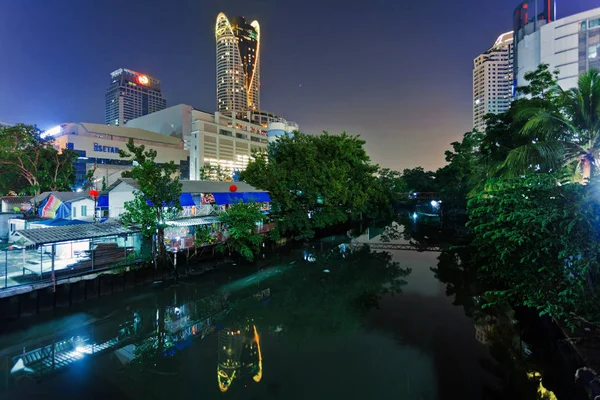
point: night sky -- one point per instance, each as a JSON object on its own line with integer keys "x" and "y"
{"x": 396, "y": 72}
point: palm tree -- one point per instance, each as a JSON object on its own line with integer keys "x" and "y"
{"x": 565, "y": 137}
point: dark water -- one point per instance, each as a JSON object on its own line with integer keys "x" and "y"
{"x": 318, "y": 321}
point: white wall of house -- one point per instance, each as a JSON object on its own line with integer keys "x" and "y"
{"x": 15, "y": 224}
{"x": 82, "y": 210}
{"x": 117, "y": 198}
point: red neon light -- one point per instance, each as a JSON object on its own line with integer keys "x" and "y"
{"x": 549, "y": 12}
{"x": 142, "y": 79}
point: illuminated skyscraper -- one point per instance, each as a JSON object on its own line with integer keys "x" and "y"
{"x": 131, "y": 95}
{"x": 238, "y": 64}
{"x": 493, "y": 80}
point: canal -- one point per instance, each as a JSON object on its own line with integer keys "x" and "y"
{"x": 329, "y": 319}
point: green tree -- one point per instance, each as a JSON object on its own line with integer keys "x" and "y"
{"x": 462, "y": 173}
{"x": 240, "y": 222}
{"x": 317, "y": 181}
{"x": 537, "y": 245}
{"x": 503, "y": 131}
{"x": 28, "y": 158}
{"x": 157, "y": 199}
{"x": 393, "y": 184}
{"x": 565, "y": 135}
{"x": 419, "y": 180}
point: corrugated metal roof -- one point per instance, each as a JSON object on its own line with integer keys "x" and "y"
{"x": 73, "y": 232}
{"x": 65, "y": 197}
{"x": 215, "y": 187}
{"x": 16, "y": 199}
{"x": 193, "y": 221}
{"x": 196, "y": 186}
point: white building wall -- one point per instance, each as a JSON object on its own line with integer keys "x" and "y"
{"x": 529, "y": 56}
{"x": 88, "y": 204}
{"x": 555, "y": 44}
{"x": 174, "y": 121}
{"x": 211, "y": 139}
{"x": 117, "y": 198}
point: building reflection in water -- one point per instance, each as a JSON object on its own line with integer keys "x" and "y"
{"x": 239, "y": 355}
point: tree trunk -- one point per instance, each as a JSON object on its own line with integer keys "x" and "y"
{"x": 161, "y": 245}
{"x": 586, "y": 165}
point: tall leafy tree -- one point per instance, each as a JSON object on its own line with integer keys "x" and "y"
{"x": 419, "y": 180}
{"x": 565, "y": 135}
{"x": 463, "y": 171}
{"x": 393, "y": 184}
{"x": 31, "y": 160}
{"x": 240, "y": 221}
{"x": 317, "y": 181}
{"x": 503, "y": 132}
{"x": 157, "y": 199}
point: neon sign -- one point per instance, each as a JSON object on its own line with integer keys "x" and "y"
{"x": 142, "y": 79}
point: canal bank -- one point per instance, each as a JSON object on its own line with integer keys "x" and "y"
{"x": 328, "y": 309}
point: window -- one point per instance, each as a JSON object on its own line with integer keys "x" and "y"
{"x": 594, "y": 23}
{"x": 74, "y": 212}
{"x": 84, "y": 211}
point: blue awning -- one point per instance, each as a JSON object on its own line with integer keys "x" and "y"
{"x": 245, "y": 197}
{"x": 103, "y": 201}
{"x": 186, "y": 200}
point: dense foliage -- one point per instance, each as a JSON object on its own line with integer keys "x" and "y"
{"x": 563, "y": 132}
{"x": 537, "y": 244}
{"x": 240, "y": 221}
{"x": 317, "y": 182}
{"x": 157, "y": 199}
{"x": 534, "y": 226}
{"x": 31, "y": 163}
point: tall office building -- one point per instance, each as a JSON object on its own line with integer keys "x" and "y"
{"x": 493, "y": 80}
{"x": 131, "y": 95}
{"x": 238, "y": 64}
{"x": 570, "y": 44}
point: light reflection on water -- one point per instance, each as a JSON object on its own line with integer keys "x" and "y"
{"x": 329, "y": 319}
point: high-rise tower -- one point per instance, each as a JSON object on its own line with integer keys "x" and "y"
{"x": 131, "y": 95}
{"x": 493, "y": 80}
{"x": 238, "y": 64}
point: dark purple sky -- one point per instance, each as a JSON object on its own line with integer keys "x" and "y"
{"x": 397, "y": 72}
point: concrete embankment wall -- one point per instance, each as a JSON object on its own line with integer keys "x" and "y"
{"x": 70, "y": 292}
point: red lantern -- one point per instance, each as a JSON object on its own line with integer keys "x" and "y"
{"x": 94, "y": 193}
{"x": 232, "y": 188}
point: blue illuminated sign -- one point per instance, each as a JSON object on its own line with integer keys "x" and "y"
{"x": 105, "y": 149}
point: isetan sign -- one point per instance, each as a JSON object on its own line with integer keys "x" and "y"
{"x": 105, "y": 149}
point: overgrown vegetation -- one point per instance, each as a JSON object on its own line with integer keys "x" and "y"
{"x": 30, "y": 163}
{"x": 240, "y": 223}
{"x": 157, "y": 199}
{"x": 317, "y": 182}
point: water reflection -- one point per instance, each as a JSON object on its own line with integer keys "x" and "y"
{"x": 330, "y": 302}
{"x": 240, "y": 356}
{"x": 318, "y": 290}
